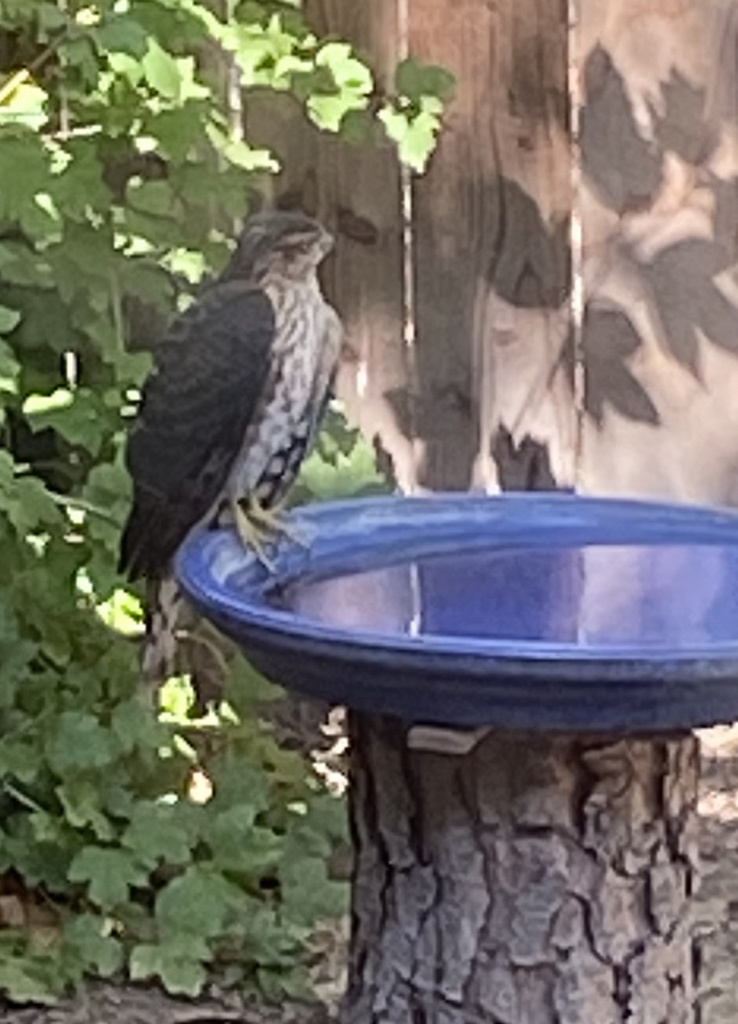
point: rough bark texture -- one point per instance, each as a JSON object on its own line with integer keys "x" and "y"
{"x": 716, "y": 910}
{"x": 536, "y": 880}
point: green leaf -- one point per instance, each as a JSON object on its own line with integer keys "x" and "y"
{"x": 415, "y": 80}
{"x": 122, "y": 612}
{"x": 177, "y": 699}
{"x": 153, "y": 197}
{"x": 127, "y": 67}
{"x": 134, "y": 725}
{"x": 358, "y": 127}
{"x": 84, "y": 263}
{"x": 50, "y": 18}
{"x": 188, "y": 263}
{"x": 76, "y": 416}
{"x": 240, "y": 153}
{"x": 15, "y": 658}
{"x": 19, "y": 758}
{"x": 78, "y": 55}
{"x": 79, "y": 742}
{"x": 198, "y": 903}
{"x": 343, "y": 475}
{"x": 80, "y": 186}
{"x": 237, "y": 783}
{"x": 122, "y": 34}
{"x": 177, "y": 962}
{"x": 9, "y": 319}
{"x": 178, "y": 130}
{"x": 40, "y": 405}
{"x": 348, "y": 72}
{"x": 88, "y": 938}
{"x": 24, "y": 171}
{"x": 241, "y": 847}
{"x": 308, "y": 894}
{"x": 26, "y": 105}
{"x": 159, "y": 832}
{"x": 24, "y": 981}
{"x": 353, "y": 85}
{"x": 25, "y": 501}
{"x": 415, "y": 135}
{"x": 80, "y": 799}
{"x": 172, "y": 77}
{"x": 109, "y": 873}
{"x": 327, "y": 818}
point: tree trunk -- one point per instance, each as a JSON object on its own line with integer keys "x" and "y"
{"x": 534, "y": 880}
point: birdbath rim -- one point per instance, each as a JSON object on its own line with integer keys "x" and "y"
{"x": 617, "y": 684}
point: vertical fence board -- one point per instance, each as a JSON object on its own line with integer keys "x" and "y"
{"x": 659, "y": 201}
{"x": 356, "y": 191}
{"x": 491, "y": 229}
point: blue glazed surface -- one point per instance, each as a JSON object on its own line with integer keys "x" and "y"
{"x": 528, "y": 610}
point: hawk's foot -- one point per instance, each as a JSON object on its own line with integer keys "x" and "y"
{"x": 272, "y": 521}
{"x": 253, "y": 535}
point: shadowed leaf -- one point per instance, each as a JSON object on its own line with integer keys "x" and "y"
{"x": 623, "y": 166}
{"x": 682, "y": 128}
{"x": 530, "y": 268}
{"x": 609, "y": 339}
{"x": 521, "y": 467}
{"x": 682, "y": 281}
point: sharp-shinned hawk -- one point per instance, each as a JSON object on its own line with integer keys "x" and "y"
{"x": 231, "y": 408}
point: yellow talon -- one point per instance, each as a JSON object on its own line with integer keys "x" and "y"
{"x": 252, "y": 536}
{"x": 271, "y": 520}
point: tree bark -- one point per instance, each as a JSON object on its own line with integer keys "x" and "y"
{"x": 534, "y": 880}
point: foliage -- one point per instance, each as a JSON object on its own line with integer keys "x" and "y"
{"x": 413, "y": 120}
{"x": 169, "y": 847}
{"x": 343, "y": 465}
{"x": 122, "y": 181}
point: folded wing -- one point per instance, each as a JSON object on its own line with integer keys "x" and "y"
{"x": 210, "y": 374}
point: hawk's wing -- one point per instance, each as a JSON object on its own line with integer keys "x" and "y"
{"x": 210, "y": 373}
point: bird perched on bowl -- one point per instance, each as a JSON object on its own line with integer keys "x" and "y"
{"x": 230, "y": 409}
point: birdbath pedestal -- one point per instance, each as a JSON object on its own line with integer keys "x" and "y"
{"x": 524, "y": 674}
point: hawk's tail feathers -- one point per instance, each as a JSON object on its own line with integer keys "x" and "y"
{"x": 164, "y": 600}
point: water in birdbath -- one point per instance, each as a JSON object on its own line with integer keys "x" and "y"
{"x": 656, "y": 596}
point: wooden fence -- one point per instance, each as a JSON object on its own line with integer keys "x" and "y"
{"x": 573, "y": 254}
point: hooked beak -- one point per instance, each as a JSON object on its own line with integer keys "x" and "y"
{"x": 325, "y": 242}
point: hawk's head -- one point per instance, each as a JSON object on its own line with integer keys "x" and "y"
{"x": 288, "y": 244}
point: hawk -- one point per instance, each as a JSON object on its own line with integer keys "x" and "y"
{"x": 230, "y": 409}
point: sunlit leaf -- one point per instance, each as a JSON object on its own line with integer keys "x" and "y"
{"x": 9, "y": 319}
{"x": 26, "y": 105}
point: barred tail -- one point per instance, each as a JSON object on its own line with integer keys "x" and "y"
{"x": 164, "y": 601}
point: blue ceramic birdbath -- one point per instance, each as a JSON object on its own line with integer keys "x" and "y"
{"x": 575, "y": 642}
{"x": 526, "y": 611}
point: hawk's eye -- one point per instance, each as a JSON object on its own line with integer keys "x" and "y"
{"x": 294, "y": 249}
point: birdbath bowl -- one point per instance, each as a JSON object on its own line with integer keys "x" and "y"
{"x": 524, "y": 674}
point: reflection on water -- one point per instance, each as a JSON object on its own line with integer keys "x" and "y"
{"x": 671, "y": 596}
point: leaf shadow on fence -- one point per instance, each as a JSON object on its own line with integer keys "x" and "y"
{"x": 527, "y": 263}
{"x": 628, "y": 174}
